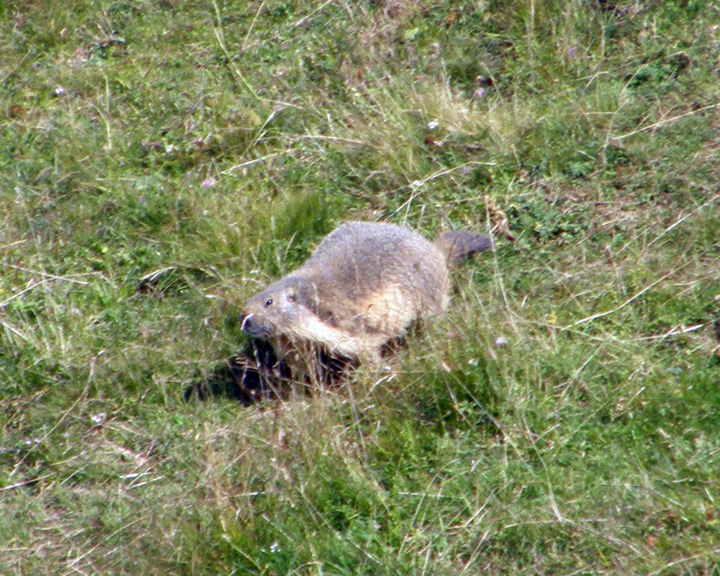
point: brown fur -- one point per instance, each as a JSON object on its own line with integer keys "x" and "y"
{"x": 365, "y": 285}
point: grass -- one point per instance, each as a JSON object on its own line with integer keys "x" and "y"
{"x": 160, "y": 162}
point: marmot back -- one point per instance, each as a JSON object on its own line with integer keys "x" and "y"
{"x": 364, "y": 285}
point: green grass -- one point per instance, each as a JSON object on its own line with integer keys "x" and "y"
{"x": 160, "y": 162}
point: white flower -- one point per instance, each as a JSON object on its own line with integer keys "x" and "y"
{"x": 98, "y": 419}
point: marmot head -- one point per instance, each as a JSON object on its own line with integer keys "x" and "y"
{"x": 279, "y": 309}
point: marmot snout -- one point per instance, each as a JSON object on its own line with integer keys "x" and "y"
{"x": 364, "y": 285}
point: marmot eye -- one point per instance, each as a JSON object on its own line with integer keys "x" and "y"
{"x": 268, "y": 302}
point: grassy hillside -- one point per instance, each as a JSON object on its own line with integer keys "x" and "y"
{"x": 162, "y": 161}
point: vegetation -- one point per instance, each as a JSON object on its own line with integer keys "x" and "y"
{"x": 162, "y": 161}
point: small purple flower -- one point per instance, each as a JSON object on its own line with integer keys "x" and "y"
{"x": 479, "y": 93}
{"x": 209, "y": 182}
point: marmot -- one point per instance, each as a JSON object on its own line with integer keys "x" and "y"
{"x": 364, "y": 285}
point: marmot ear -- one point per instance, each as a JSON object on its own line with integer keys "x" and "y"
{"x": 304, "y": 293}
{"x": 291, "y": 295}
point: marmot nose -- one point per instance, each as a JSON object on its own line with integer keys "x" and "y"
{"x": 245, "y": 322}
